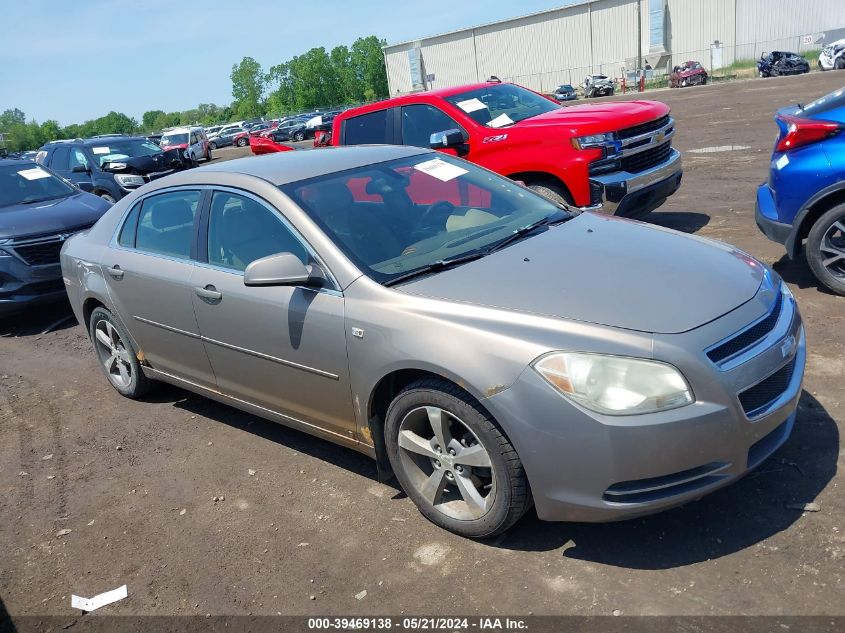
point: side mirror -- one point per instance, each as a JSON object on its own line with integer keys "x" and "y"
{"x": 79, "y": 169}
{"x": 282, "y": 269}
{"x": 447, "y": 138}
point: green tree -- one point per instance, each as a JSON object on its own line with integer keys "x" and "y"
{"x": 248, "y": 84}
{"x": 149, "y": 118}
{"x": 368, "y": 62}
{"x": 51, "y": 130}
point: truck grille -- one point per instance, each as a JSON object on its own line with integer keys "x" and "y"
{"x": 40, "y": 254}
{"x": 755, "y": 399}
{"x": 749, "y": 337}
{"x": 647, "y": 158}
{"x": 643, "y": 128}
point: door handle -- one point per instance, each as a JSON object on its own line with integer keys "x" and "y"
{"x": 115, "y": 272}
{"x": 209, "y": 292}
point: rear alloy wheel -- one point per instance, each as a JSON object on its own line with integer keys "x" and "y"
{"x": 826, "y": 249}
{"x": 299, "y": 136}
{"x": 454, "y": 461}
{"x": 242, "y": 142}
{"x": 212, "y": 145}
{"x": 118, "y": 359}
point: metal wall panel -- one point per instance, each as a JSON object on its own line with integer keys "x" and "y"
{"x": 765, "y": 25}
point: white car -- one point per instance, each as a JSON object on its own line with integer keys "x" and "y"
{"x": 833, "y": 56}
{"x": 192, "y": 141}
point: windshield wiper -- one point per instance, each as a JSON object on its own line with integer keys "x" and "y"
{"x": 440, "y": 264}
{"x": 522, "y": 231}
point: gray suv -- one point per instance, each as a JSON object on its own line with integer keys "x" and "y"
{"x": 431, "y": 314}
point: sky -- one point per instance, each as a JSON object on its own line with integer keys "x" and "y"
{"x": 74, "y": 60}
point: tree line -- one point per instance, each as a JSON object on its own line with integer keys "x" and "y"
{"x": 315, "y": 79}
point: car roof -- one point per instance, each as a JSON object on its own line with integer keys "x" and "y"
{"x": 286, "y": 167}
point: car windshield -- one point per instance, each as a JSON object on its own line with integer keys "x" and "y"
{"x": 419, "y": 213}
{"x": 22, "y": 183}
{"x": 120, "y": 150}
{"x": 565, "y": 87}
{"x": 175, "y": 139}
{"x": 500, "y": 105}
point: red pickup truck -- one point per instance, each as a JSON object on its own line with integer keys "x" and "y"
{"x": 616, "y": 157}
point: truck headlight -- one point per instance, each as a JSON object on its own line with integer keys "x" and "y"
{"x": 615, "y": 385}
{"x": 129, "y": 180}
{"x": 592, "y": 141}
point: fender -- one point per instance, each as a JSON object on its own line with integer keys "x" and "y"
{"x": 793, "y": 243}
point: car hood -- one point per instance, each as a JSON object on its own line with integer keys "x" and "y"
{"x": 606, "y": 271}
{"x": 168, "y": 159}
{"x": 606, "y": 116}
{"x": 75, "y": 212}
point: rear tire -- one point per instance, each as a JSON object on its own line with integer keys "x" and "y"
{"x": 242, "y": 142}
{"x": 212, "y": 145}
{"x": 553, "y": 191}
{"x": 299, "y": 136}
{"x": 826, "y": 243}
{"x": 474, "y": 485}
{"x": 117, "y": 358}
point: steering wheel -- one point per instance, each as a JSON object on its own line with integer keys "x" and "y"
{"x": 427, "y": 225}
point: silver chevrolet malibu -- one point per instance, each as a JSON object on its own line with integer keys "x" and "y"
{"x": 485, "y": 346}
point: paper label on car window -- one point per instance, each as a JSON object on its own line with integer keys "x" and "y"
{"x": 782, "y": 162}
{"x": 500, "y": 121}
{"x": 33, "y": 174}
{"x": 100, "y": 150}
{"x": 471, "y": 105}
{"x": 440, "y": 169}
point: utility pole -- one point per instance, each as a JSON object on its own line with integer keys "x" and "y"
{"x": 639, "y": 38}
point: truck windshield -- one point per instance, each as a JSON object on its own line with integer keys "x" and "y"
{"x": 417, "y": 214}
{"x": 500, "y": 105}
{"x": 28, "y": 183}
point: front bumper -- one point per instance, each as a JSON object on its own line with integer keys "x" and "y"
{"x": 22, "y": 286}
{"x": 766, "y": 216}
{"x": 583, "y": 466}
{"x": 635, "y": 194}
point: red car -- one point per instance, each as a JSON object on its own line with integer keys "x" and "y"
{"x": 688, "y": 74}
{"x": 263, "y": 145}
{"x": 617, "y": 156}
{"x": 243, "y": 139}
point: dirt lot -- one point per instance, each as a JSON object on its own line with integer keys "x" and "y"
{"x": 134, "y": 481}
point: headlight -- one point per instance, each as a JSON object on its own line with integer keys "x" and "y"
{"x": 615, "y": 385}
{"x": 591, "y": 141}
{"x": 129, "y": 180}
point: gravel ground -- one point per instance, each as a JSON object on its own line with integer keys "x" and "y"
{"x": 97, "y": 491}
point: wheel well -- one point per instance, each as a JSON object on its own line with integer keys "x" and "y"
{"x": 87, "y": 308}
{"x": 384, "y": 393}
{"x": 529, "y": 177}
{"x": 819, "y": 208}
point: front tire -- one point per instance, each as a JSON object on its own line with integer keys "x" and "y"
{"x": 117, "y": 358}
{"x": 242, "y": 142}
{"x": 212, "y": 145}
{"x": 552, "y": 191}
{"x": 825, "y": 249}
{"x": 454, "y": 461}
{"x": 299, "y": 136}
{"x": 107, "y": 197}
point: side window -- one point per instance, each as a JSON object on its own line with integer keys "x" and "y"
{"x": 59, "y": 159}
{"x": 419, "y": 122}
{"x": 193, "y": 138}
{"x": 77, "y": 157}
{"x": 127, "y": 233}
{"x": 241, "y": 230}
{"x": 367, "y": 128}
{"x": 165, "y": 223}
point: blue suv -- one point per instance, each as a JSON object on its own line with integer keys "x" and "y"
{"x": 803, "y": 201}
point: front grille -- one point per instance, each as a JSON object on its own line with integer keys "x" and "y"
{"x": 643, "y": 128}
{"x": 647, "y": 158}
{"x": 755, "y": 399}
{"x": 40, "y": 253}
{"x": 749, "y": 337}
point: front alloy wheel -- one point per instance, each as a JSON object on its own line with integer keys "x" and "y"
{"x": 454, "y": 461}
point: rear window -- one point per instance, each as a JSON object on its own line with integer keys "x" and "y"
{"x": 22, "y": 183}
{"x": 832, "y": 101}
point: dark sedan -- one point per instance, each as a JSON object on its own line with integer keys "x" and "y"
{"x": 565, "y": 92}
{"x": 38, "y": 212}
{"x": 782, "y": 63}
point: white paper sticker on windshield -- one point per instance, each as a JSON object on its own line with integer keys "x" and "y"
{"x": 471, "y": 105}
{"x": 440, "y": 169}
{"x": 33, "y": 174}
{"x": 500, "y": 121}
{"x": 100, "y": 150}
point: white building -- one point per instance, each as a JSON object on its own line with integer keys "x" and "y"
{"x": 562, "y": 45}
